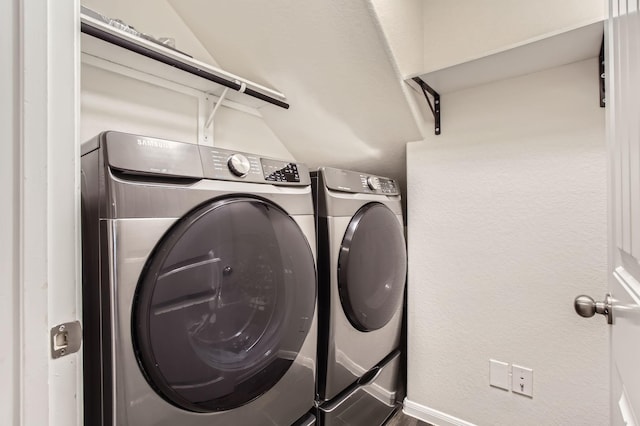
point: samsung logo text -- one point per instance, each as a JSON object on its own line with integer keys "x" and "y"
{"x": 152, "y": 143}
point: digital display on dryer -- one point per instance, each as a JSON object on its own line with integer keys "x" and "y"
{"x": 388, "y": 186}
{"x": 280, "y": 171}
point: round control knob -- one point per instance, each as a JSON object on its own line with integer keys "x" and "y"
{"x": 239, "y": 165}
{"x": 373, "y": 182}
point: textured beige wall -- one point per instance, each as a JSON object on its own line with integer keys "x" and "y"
{"x": 506, "y": 225}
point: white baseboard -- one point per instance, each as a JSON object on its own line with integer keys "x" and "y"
{"x": 429, "y": 415}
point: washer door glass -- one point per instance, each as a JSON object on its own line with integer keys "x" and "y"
{"x": 224, "y": 304}
{"x": 372, "y": 267}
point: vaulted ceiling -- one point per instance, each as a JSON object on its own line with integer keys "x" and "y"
{"x": 331, "y": 60}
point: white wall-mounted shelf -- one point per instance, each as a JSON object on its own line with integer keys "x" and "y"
{"x": 548, "y": 51}
{"x": 112, "y": 44}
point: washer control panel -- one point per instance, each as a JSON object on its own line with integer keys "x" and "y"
{"x": 239, "y": 166}
{"x": 355, "y": 182}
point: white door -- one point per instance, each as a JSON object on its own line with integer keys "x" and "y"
{"x": 623, "y": 133}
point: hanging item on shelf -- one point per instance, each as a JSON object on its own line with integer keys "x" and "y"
{"x": 118, "y": 33}
{"x": 168, "y": 42}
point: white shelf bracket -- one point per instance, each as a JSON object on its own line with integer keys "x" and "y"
{"x": 216, "y": 106}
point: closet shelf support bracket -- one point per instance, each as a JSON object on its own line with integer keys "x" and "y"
{"x": 215, "y": 108}
{"x": 435, "y": 107}
{"x": 602, "y": 77}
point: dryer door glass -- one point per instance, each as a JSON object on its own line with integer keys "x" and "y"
{"x": 224, "y": 304}
{"x": 372, "y": 267}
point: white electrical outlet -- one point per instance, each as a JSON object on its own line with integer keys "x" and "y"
{"x": 499, "y": 374}
{"x": 522, "y": 380}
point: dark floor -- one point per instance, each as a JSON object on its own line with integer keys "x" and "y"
{"x": 401, "y": 419}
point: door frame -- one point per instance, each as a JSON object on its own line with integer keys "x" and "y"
{"x": 39, "y": 222}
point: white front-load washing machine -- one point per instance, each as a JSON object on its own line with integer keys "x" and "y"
{"x": 199, "y": 285}
{"x": 362, "y": 265}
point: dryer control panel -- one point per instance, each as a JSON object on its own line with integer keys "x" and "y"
{"x": 280, "y": 171}
{"x": 355, "y": 182}
{"x": 240, "y": 166}
{"x": 141, "y": 155}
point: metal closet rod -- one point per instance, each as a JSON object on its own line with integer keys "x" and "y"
{"x": 142, "y": 50}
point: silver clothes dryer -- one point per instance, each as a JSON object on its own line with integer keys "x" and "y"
{"x": 362, "y": 265}
{"x": 199, "y": 285}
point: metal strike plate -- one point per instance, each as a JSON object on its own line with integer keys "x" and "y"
{"x": 65, "y": 339}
